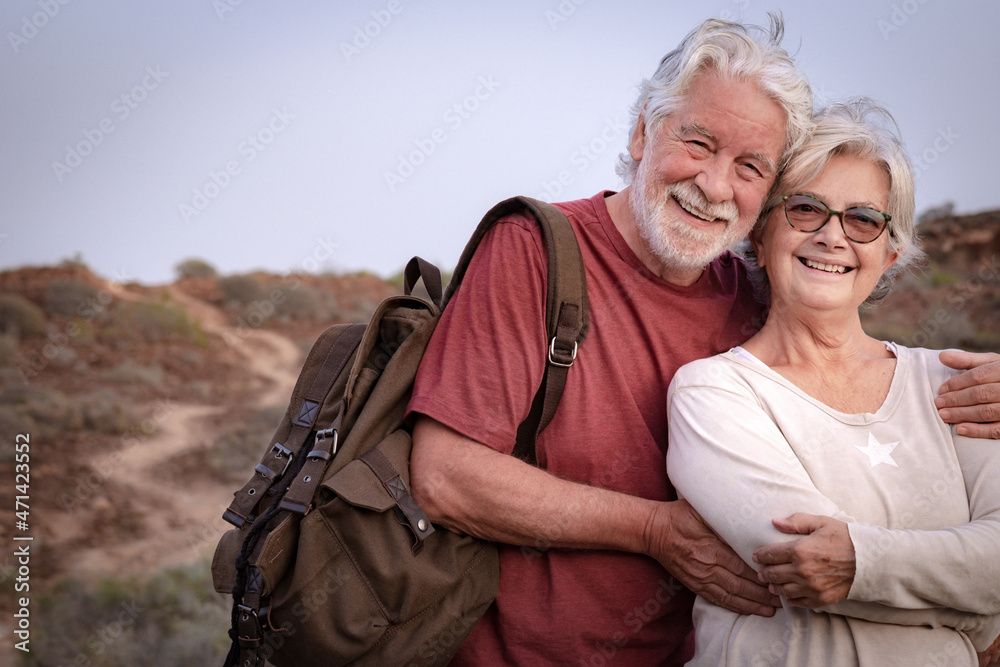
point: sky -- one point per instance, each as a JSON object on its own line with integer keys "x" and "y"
{"x": 345, "y": 136}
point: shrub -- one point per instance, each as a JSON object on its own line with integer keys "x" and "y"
{"x": 20, "y": 317}
{"x": 49, "y": 412}
{"x": 242, "y": 290}
{"x": 8, "y": 350}
{"x": 195, "y": 268}
{"x": 70, "y": 297}
{"x": 131, "y": 371}
{"x": 239, "y": 449}
{"x": 153, "y": 322}
{"x": 171, "y": 619}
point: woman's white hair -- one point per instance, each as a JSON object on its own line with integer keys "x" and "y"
{"x": 735, "y": 51}
{"x": 863, "y": 129}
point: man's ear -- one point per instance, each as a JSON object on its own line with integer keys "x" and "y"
{"x": 637, "y": 144}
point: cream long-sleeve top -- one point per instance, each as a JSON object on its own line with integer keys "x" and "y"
{"x": 922, "y": 504}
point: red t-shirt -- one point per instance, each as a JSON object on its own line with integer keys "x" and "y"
{"x": 479, "y": 375}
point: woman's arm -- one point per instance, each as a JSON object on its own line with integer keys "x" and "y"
{"x": 732, "y": 463}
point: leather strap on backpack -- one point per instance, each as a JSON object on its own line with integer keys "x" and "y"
{"x": 267, "y": 473}
{"x": 567, "y": 315}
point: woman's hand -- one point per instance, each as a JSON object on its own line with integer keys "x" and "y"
{"x": 812, "y": 571}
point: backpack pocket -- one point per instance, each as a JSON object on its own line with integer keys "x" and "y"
{"x": 358, "y": 585}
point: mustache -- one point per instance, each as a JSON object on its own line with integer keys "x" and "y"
{"x": 690, "y": 196}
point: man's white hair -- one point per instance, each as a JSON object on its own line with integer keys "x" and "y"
{"x": 734, "y": 51}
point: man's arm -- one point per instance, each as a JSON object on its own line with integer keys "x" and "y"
{"x": 972, "y": 399}
{"x": 470, "y": 488}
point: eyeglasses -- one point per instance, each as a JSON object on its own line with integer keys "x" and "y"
{"x": 861, "y": 225}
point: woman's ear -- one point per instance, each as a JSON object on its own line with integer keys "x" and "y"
{"x": 890, "y": 260}
{"x": 757, "y": 240}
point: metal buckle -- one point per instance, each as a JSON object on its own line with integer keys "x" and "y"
{"x": 563, "y": 364}
{"x": 279, "y": 451}
{"x": 323, "y": 435}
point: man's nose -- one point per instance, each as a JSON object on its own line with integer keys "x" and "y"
{"x": 715, "y": 181}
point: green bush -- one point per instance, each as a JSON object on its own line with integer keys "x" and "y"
{"x": 131, "y": 371}
{"x": 8, "y": 350}
{"x": 240, "y": 448}
{"x": 172, "y": 619}
{"x": 20, "y": 317}
{"x": 241, "y": 290}
{"x": 71, "y": 297}
{"x": 152, "y": 322}
{"x": 195, "y": 268}
{"x": 49, "y": 412}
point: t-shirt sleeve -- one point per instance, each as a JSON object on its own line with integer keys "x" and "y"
{"x": 486, "y": 357}
{"x": 957, "y": 567}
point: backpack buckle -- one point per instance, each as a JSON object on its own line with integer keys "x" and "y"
{"x": 323, "y": 435}
{"x": 279, "y": 451}
{"x": 561, "y": 358}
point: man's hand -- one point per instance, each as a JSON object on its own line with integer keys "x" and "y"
{"x": 812, "y": 571}
{"x": 971, "y": 399}
{"x": 991, "y": 656}
{"x": 690, "y": 551}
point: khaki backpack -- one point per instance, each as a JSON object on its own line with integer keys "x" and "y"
{"x": 331, "y": 561}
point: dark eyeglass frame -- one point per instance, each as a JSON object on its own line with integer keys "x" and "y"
{"x": 840, "y": 214}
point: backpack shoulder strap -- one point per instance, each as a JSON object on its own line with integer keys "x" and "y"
{"x": 566, "y": 312}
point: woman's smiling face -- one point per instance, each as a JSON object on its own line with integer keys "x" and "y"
{"x": 824, "y": 270}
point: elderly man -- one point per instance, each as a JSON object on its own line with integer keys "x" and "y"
{"x": 598, "y": 558}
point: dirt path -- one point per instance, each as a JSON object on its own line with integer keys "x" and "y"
{"x": 181, "y": 523}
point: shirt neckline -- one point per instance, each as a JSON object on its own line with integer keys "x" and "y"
{"x": 889, "y": 405}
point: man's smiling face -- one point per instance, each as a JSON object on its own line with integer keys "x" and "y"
{"x": 705, "y": 171}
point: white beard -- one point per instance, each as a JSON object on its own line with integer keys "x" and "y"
{"x": 674, "y": 242}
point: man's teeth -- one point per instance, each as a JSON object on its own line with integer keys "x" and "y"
{"x": 694, "y": 212}
{"x": 829, "y": 268}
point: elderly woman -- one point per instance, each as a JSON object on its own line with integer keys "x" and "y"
{"x": 901, "y": 516}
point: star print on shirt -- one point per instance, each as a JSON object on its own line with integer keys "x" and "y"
{"x": 877, "y": 452}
